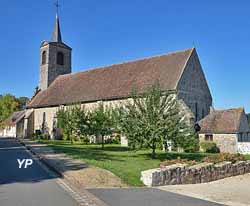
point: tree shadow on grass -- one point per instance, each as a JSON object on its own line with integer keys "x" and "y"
{"x": 90, "y": 154}
{"x": 175, "y": 155}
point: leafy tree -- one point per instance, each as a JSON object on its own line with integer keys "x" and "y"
{"x": 73, "y": 122}
{"x": 152, "y": 119}
{"x": 127, "y": 124}
{"x": 65, "y": 122}
{"x": 80, "y": 121}
{"x": 101, "y": 122}
{"x": 8, "y": 105}
{"x": 22, "y": 101}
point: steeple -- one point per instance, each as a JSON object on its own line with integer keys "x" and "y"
{"x": 55, "y": 57}
{"x": 56, "y": 36}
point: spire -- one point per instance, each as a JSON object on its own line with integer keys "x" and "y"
{"x": 56, "y": 36}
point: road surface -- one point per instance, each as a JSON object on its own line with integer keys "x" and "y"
{"x": 146, "y": 197}
{"x": 33, "y": 186}
{"x": 36, "y": 186}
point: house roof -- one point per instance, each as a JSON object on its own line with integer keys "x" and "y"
{"x": 14, "y": 118}
{"x": 222, "y": 121}
{"x": 114, "y": 81}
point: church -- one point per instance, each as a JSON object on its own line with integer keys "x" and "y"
{"x": 178, "y": 71}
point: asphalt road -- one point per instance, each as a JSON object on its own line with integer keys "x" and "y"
{"x": 146, "y": 197}
{"x": 33, "y": 186}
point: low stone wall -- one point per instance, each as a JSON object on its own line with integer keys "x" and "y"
{"x": 200, "y": 173}
{"x": 244, "y": 147}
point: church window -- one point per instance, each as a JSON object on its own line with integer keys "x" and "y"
{"x": 196, "y": 111}
{"x": 44, "y": 57}
{"x": 60, "y": 58}
{"x": 203, "y": 113}
{"x": 44, "y": 122}
{"x": 208, "y": 137}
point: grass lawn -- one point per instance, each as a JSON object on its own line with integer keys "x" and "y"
{"x": 247, "y": 156}
{"x": 121, "y": 161}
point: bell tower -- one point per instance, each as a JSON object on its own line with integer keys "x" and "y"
{"x": 55, "y": 58}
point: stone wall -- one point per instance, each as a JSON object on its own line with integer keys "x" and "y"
{"x": 50, "y": 113}
{"x": 244, "y": 147}
{"x": 51, "y": 70}
{"x": 227, "y": 143}
{"x": 201, "y": 173}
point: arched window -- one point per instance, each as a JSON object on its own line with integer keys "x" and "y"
{"x": 196, "y": 112}
{"x": 44, "y": 57}
{"x": 203, "y": 113}
{"x": 60, "y": 58}
{"x": 44, "y": 122}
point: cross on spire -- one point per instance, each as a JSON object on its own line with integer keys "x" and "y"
{"x": 56, "y": 36}
{"x": 57, "y": 6}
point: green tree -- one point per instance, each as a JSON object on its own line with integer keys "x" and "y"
{"x": 101, "y": 122}
{"x": 152, "y": 119}
{"x": 65, "y": 122}
{"x": 73, "y": 121}
{"x": 8, "y": 105}
{"x": 22, "y": 101}
{"x": 80, "y": 121}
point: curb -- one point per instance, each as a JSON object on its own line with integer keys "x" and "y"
{"x": 42, "y": 159}
{"x": 96, "y": 201}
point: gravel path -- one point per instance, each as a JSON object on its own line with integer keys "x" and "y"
{"x": 233, "y": 191}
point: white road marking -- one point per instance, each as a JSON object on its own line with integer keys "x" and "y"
{"x": 81, "y": 199}
{"x": 8, "y": 148}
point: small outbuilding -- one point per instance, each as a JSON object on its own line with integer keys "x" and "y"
{"x": 12, "y": 127}
{"x": 229, "y": 129}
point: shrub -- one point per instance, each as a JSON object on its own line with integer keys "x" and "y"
{"x": 224, "y": 157}
{"x": 85, "y": 140}
{"x": 112, "y": 141}
{"x": 39, "y": 135}
{"x": 209, "y": 147}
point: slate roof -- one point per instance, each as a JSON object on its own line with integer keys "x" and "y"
{"x": 114, "y": 81}
{"x": 222, "y": 121}
{"x": 14, "y": 118}
{"x": 56, "y": 36}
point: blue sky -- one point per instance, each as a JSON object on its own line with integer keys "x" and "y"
{"x": 112, "y": 31}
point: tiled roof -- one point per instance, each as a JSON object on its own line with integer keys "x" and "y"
{"x": 115, "y": 81}
{"x": 222, "y": 121}
{"x": 14, "y": 118}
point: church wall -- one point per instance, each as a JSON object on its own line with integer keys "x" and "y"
{"x": 193, "y": 89}
{"x": 244, "y": 126}
{"x": 30, "y": 128}
{"x": 50, "y": 113}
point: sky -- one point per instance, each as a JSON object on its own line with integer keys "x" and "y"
{"x": 113, "y": 31}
